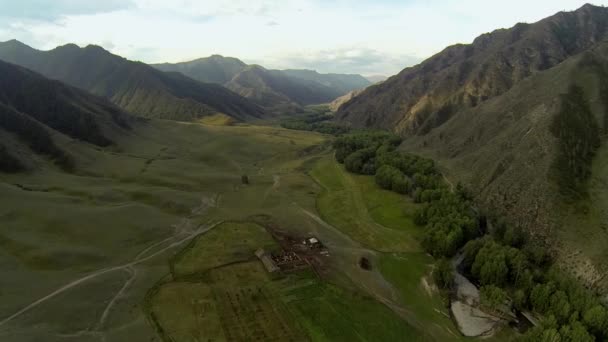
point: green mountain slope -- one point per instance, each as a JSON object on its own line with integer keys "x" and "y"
{"x": 136, "y": 87}
{"x": 33, "y": 110}
{"x": 423, "y": 97}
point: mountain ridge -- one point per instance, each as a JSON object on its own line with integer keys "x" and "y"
{"x": 134, "y": 86}
{"x": 276, "y": 90}
{"x": 424, "y": 96}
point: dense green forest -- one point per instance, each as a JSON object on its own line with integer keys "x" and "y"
{"x": 317, "y": 120}
{"x": 510, "y": 268}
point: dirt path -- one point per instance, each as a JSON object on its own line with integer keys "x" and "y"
{"x": 126, "y": 267}
{"x": 104, "y": 316}
{"x": 448, "y": 181}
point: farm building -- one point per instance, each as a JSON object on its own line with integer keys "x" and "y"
{"x": 313, "y": 243}
{"x": 266, "y": 260}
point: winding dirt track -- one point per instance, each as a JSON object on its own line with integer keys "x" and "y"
{"x": 126, "y": 267}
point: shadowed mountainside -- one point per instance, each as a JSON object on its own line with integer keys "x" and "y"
{"x": 34, "y": 109}
{"x": 134, "y": 86}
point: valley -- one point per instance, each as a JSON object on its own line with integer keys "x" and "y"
{"x": 163, "y": 227}
{"x": 84, "y": 256}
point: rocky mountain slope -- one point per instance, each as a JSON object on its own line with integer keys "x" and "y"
{"x": 275, "y": 90}
{"x": 35, "y": 112}
{"x": 337, "y": 103}
{"x": 425, "y": 96}
{"x": 136, "y": 87}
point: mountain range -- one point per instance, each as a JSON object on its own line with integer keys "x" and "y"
{"x": 275, "y": 90}
{"x": 134, "y": 86}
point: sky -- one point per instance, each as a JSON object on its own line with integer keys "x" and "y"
{"x": 369, "y": 37}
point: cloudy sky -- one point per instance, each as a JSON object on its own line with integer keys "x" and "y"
{"x": 348, "y": 36}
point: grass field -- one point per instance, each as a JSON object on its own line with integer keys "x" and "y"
{"x": 230, "y": 242}
{"x": 344, "y": 206}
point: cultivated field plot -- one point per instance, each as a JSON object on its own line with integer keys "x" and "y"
{"x": 233, "y": 303}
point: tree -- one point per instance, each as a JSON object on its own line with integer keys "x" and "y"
{"x": 401, "y": 184}
{"x": 492, "y": 297}
{"x": 596, "y": 319}
{"x": 575, "y": 332}
{"x": 443, "y": 274}
{"x": 385, "y": 176}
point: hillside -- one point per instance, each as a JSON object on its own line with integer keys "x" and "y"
{"x": 276, "y": 90}
{"x": 272, "y": 89}
{"x": 337, "y": 103}
{"x": 136, "y": 87}
{"x": 214, "y": 69}
{"x": 34, "y": 110}
{"x": 342, "y": 83}
{"x": 530, "y": 156}
{"x": 423, "y": 97}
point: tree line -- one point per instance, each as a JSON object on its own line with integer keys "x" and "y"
{"x": 316, "y": 122}
{"x": 511, "y": 269}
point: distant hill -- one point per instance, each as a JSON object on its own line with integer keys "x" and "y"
{"x": 423, "y": 97}
{"x": 376, "y": 78}
{"x": 342, "y": 83}
{"x": 213, "y": 69}
{"x": 275, "y": 90}
{"x": 34, "y": 110}
{"x": 134, "y": 86}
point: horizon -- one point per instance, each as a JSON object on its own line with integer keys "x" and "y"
{"x": 372, "y": 39}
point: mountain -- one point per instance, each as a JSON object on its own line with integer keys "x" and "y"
{"x": 423, "y": 97}
{"x": 275, "y": 90}
{"x": 134, "y": 86}
{"x": 214, "y": 69}
{"x": 521, "y": 118}
{"x": 376, "y": 78}
{"x": 342, "y": 83}
{"x": 35, "y": 111}
{"x": 337, "y": 103}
